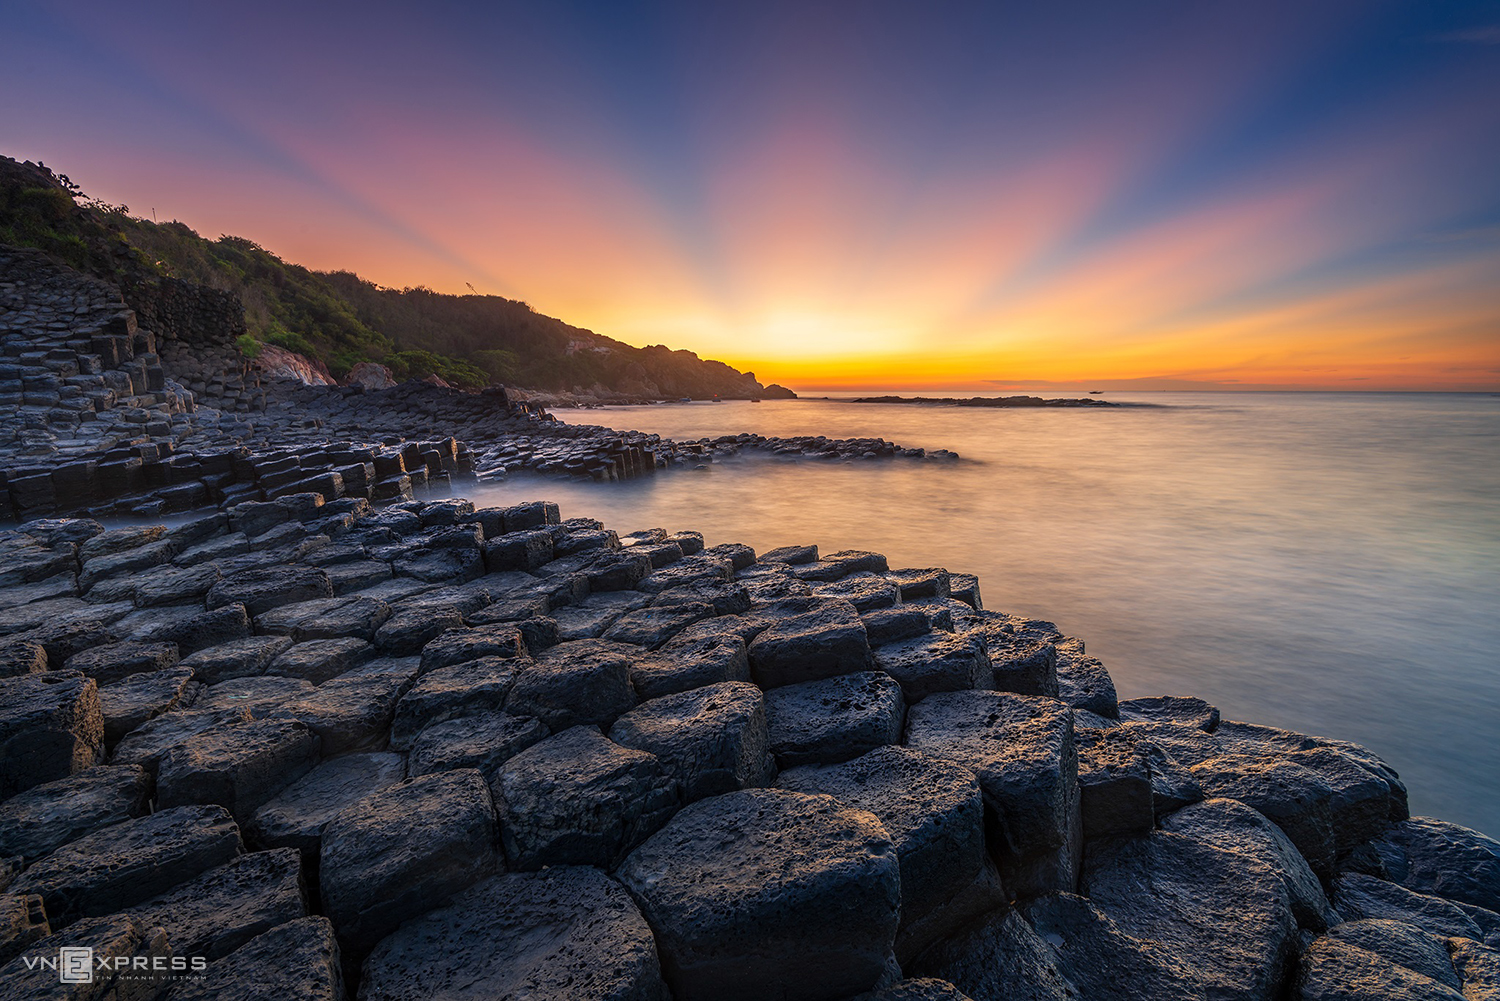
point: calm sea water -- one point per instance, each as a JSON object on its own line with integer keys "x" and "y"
{"x": 1328, "y": 563}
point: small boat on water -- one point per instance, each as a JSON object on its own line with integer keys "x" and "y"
{"x": 1096, "y": 392}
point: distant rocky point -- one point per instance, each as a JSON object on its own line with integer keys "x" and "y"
{"x": 985, "y": 401}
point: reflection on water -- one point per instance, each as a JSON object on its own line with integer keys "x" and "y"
{"x": 1327, "y": 563}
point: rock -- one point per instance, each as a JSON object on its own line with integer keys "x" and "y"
{"x": 794, "y": 555}
{"x": 1101, "y": 961}
{"x": 1293, "y": 795}
{"x": 450, "y": 692}
{"x": 836, "y": 566}
{"x": 327, "y": 618}
{"x": 222, "y": 909}
{"x": 114, "y": 662}
{"x": 1023, "y": 652}
{"x": 824, "y": 641}
{"x": 688, "y": 662}
{"x": 920, "y": 989}
{"x": 1224, "y": 915}
{"x": 299, "y": 959}
{"x": 866, "y": 592}
{"x": 578, "y": 799}
{"x": 1478, "y": 967}
{"x": 295, "y": 817}
{"x": 617, "y": 571}
{"x": 518, "y": 551}
{"x": 174, "y": 585}
{"x": 1335, "y": 969}
{"x": 1233, "y": 826}
{"x": 146, "y": 744}
{"x": 260, "y": 695}
{"x": 934, "y": 814}
{"x": 23, "y": 920}
{"x": 20, "y": 657}
{"x": 237, "y": 767}
{"x": 270, "y": 587}
{"x": 579, "y": 682}
{"x": 403, "y": 850}
{"x": 459, "y": 645}
{"x": 1442, "y": 859}
{"x": 726, "y": 598}
{"x": 999, "y": 959}
{"x": 486, "y": 944}
{"x": 768, "y": 893}
{"x": 483, "y": 740}
{"x": 834, "y": 720}
{"x": 129, "y": 863}
{"x": 710, "y": 740}
{"x": 1403, "y": 944}
{"x": 653, "y": 626}
{"x": 411, "y": 628}
{"x": 127, "y": 962}
{"x": 892, "y": 625}
{"x": 1114, "y": 781}
{"x": 1171, "y": 709}
{"x": 48, "y": 816}
{"x": 318, "y": 661}
{"x": 589, "y": 618}
{"x": 353, "y": 712}
{"x": 1358, "y": 896}
{"x": 193, "y": 629}
{"x": 936, "y": 662}
{"x": 128, "y": 704}
{"x": 1020, "y": 747}
{"x": 1082, "y": 682}
{"x": 50, "y": 727}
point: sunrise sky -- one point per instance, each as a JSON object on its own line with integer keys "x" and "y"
{"x": 1092, "y": 195}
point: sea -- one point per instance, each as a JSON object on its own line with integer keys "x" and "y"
{"x": 1327, "y": 563}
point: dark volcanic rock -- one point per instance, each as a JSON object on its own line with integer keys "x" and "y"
{"x": 934, "y": 814}
{"x": 264, "y": 589}
{"x": 459, "y": 645}
{"x": 237, "y": 767}
{"x": 1358, "y": 896}
{"x": 653, "y": 626}
{"x": 487, "y": 943}
{"x": 936, "y": 662}
{"x": 50, "y": 727}
{"x": 579, "y": 799}
{"x": 483, "y": 740}
{"x": 299, "y": 959}
{"x": 295, "y": 817}
{"x": 115, "y": 939}
{"x": 999, "y": 959}
{"x": 450, "y": 692}
{"x": 142, "y": 697}
{"x": 403, "y": 850}
{"x": 131, "y": 862}
{"x": 1403, "y": 944}
{"x": 1114, "y": 780}
{"x": 353, "y": 712}
{"x": 1223, "y": 914}
{"x": 688, "y": 662}
{"x": 768, "y": 893}
{"x": 1336, "y": 970}
{"x": 219, "y": 911}
{"x": 45, "y": 817}
{"x": 1171, "y": 709}
{"x": 825, "y": 722}
{"x": 579, "y": 682}
{"x": 711, "y": 740}
{"x": 318, "y": 661}
{"x": 114, "y": 662}
{"x": 826, "y": 640}
{"x": 1445, "y": 860}
{"x": 23, "y": 920}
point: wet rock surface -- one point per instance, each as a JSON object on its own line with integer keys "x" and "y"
{"x": 612, "y": 765}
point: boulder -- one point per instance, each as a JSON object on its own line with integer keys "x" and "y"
{"x": 1296, "y": 797}
{"x": 1224, "y": 915}
{"x": 295, "y": 817}
{"x": 1336, "y": 970}
{"x": 128, "y": 704}
{"x": 260, "y": 695}
{"x": 318, "y": 661}
{"x": 1082, "y": 682}
{"x": 866, "y": 592}
{"x": 115, "y": 662}
{"x": 299, "y": 959}
{"x": 823, "y": 639}
{"x": 190, "y": 627}
{"x": 48, "y": 816}
{"x": 270, "y": 587}
{"x": 402, "y": 851}
{"x": 1171, "y": 709}
{"x": 1000, "y": 958}
{"x": 825, "y": 722}
{"x": 50, "y": 727}
{"x": 23, "y": 921}
{"x": 236, "y": 767}
{"x": 578, "y": 799}
{"x": 1442, "y": 859}
{"x": 353, "y": 712}
{"x": 459, "y": 645}
{"x": 1403, "y": 944}
{"x": 356, "y": 616}
{"x": 936, "y": 662}
{"x": 651, "y": 627}
{"x": 1020, "y": 747}
{"x": 215, "y": 913}
{"x": 18, "y": 657}
{"x": 836, "y": 566}
{"x": 129, "y": 863}
{"x": 688, "y": 662}
{"x": 590, "y": 617}
{"x": 1233, "y": 826}
{"x": 146, "y": 744}
{"x": 934, "y": 814}
{"x": 1114, "y": 782}
{"x": 576, "y": 683}
{"x": 710, "y": 740}
{"x": 412, "y": 626}
{"x": 484, "y": 740}
{"x": 126, "y": 962}
{"x": 486, "y": 943}
{"x": 769, "y": 893}
{"x": 450, "y": 692}
{"x": 1023, "y": 652}
{"x": 1359, "y": 896}
{"x": 1101, "y": 961}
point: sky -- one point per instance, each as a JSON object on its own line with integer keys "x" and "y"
{"x": 1192, "y": 194}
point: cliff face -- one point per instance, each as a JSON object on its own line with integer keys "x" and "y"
{"x": 208, "y": 293}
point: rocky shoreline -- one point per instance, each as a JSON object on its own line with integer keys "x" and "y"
{"x": 999, "y": 402}
{"x": 325, "y": 749}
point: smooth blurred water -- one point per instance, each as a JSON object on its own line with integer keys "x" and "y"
{"x": 1329, "y": 563}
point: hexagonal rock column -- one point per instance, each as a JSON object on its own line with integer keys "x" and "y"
{"x": 711, "y": 739}
{"x": 237, "y": 767}
{"x": 768, "y": 893}
{"x": 934, "y": 813}
{"x": 50, "y": 727}
{"x": 937, "y": 662}
{"x": 809, "y": 639}
{"x": 578, "y": 798}
{"x": 569, "y": 932}
{"x": 403, "y": 850}
{"x": 826, "y": 722}
{"x": 1021, "y": 748}
{"x": 579, "y": 682}
{"x": 299, "y": 959}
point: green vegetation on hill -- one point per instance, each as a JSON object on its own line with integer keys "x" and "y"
{"x": 342, "y": 319}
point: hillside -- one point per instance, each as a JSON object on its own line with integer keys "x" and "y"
{"x": 340, "y": 319}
